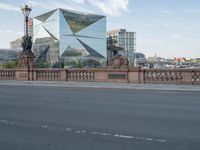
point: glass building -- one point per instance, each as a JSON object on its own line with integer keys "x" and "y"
{"x": 124, "y": 41}
{"x": 75, "y": 37}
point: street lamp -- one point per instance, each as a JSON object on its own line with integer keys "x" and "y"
{"x": 26, "y": 11}
{"x": 26, "y": 56}
{"x": 1, "y": 62}
{"x": 27, "y": 39}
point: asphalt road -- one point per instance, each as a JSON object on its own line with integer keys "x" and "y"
{"x": 56, "y": 118}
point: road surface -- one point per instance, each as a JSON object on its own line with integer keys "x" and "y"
{"x": 60, "y": 118}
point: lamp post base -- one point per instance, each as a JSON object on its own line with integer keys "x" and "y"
{"x": 26, "y": 60}
{"x": 26, "y": 66}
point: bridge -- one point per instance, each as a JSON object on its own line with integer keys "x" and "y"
{"x": 134, "y": 75}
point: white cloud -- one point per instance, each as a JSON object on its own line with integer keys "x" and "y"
{"x": 110, "y": 7}
{"x": 150, "y": 40}
{"x": 10, "y": 32}
{"x": 176, "y": 36}
{"x": 9, "y": 7}
{"x": 72, "y": 5}
{"x": 166, "y": 12}
{"x": 79, "y": 1}
{"x": 166, "y": 25}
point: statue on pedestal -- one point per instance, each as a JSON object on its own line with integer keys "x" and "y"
{"x": 26, "y": 44}
{"x": 118, "y": 61}
{"x": 26, "y": 56}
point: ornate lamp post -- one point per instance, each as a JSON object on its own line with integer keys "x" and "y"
{"x": 26, "y": 56}
{"x": 26, "y": 11}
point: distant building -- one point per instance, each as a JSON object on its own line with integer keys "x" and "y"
{"x": 140, "y": 58}
{"x": 8, "y": 54}
{"x": 77, "y": 37}
{"x": 123, "y": 42}
{"x": 114, "y": 50}
{"x": 179, "y": 60}
{"x": 17, "y": 44}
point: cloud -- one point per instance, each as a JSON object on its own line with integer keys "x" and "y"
{"x": 9, "y": 7}
{"x": 110, "y": 7}
{"x": 10, "y": 32}
{"x": 167, "y": 12}
{"x": 150, "y": 41}
{"x": 79, "y": 1}
{"x": 176, "y": 36}
{"x": 166, "y": 25}
{"x": 72, "y": 5}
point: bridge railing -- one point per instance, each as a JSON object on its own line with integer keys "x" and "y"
{"x": 195, "y": 76}
{"x": 168, "y": 76}
{"x": 171, "y": 76}
{"x": 47, "y": 74}
{"x": 81, "y": 74}
{"x": 175, "y": 76}
{"x": 7, "y": 74}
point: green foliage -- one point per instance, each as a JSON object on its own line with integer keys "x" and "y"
{"x": 59, "y": 64}
{"x": 62, "y": 64}
{"x": 10, "y": 64}
{"x": 71, "y": 53}
{"x": 78, "y": 65}
{"x": 93, "y": 64}
{"x": 73, "y": 64}
{"x": 42, "y": 63}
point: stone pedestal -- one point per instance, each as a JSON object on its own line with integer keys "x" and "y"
{"x": 118, "y": 62}
{"x": 26, "y": 61}
{"x": 26, "y": 66}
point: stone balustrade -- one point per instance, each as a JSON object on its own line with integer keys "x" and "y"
{"x": 48, "y": 74}
{"x": 176, "y": 76}
{"x": 7, "y": 74}
{"x": 81, "y": 74}
{"x": 165, "y": 76}
{"x": 196, "y": 77}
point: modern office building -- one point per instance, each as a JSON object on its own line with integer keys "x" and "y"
{"x": 122, "y": 42}
{"x": 71, "y": 35}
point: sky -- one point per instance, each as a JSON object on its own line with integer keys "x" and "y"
{"x": 167, "y": 28}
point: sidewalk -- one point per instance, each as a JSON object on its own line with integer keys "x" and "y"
{"x": 171, "y": 87}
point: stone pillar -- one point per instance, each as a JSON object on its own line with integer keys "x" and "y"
{"x": 64, "y": 74}
{"x": 187, "y": 77}
{"x": 22, "y": 74}
{"x": 100, "y": 75}
{"x": 135, "y": 75}
{"x": 25, "y": 67}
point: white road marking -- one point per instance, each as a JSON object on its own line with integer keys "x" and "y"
{"x": 83, "y": 131}
{"x": 68, "y": 129}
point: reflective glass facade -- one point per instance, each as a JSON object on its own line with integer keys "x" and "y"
{"x": 75, "y": 36}
{"x": 125, "y": 40}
